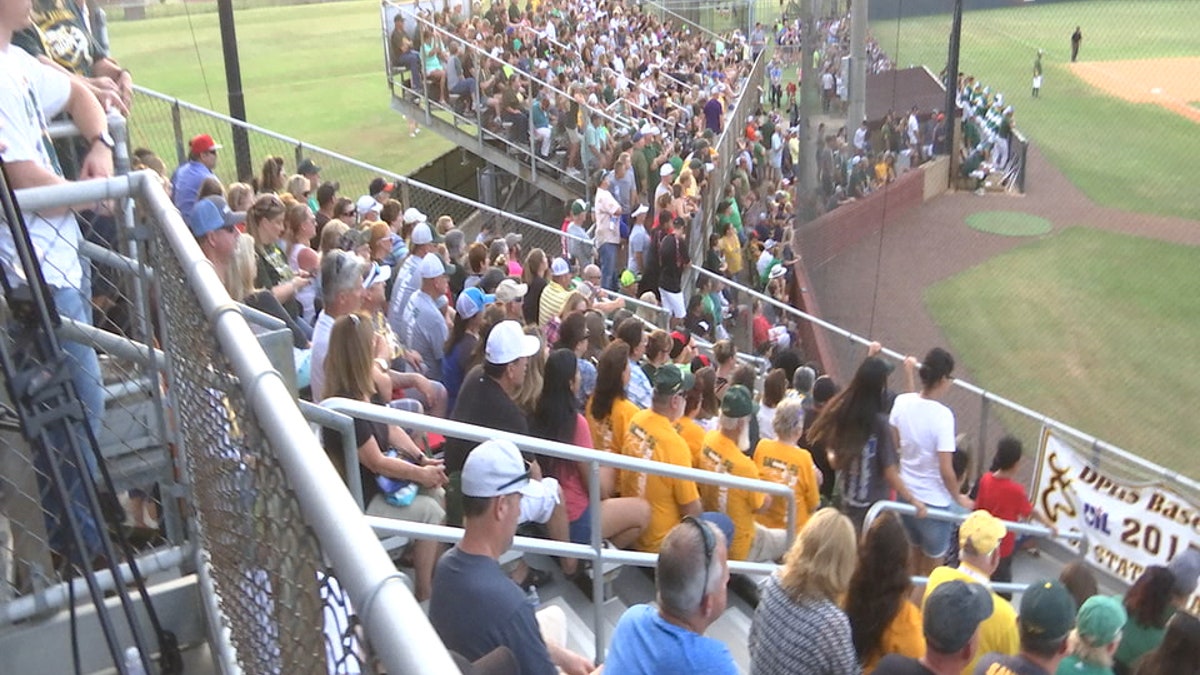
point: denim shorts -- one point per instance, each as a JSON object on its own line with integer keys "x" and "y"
{"x": 932, "y": 536}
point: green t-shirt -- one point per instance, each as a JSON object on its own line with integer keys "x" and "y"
{"x": 1137, "y": 639}
{"x": 1073, "y": 666}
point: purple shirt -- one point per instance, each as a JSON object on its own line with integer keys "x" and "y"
{"x": 712, "y": 115}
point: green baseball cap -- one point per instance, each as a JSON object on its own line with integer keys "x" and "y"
{"x": 1101, "y": 619}
{"x": 578, "y": 206}
{"x": 1047, "y": 611}
{"x": 737, "y": 402}
{"x": 672, "y": 381}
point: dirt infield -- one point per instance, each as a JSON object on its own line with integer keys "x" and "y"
{"x": 1171, "y": 83}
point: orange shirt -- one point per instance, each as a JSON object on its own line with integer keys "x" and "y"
{"x": 792, "y": 466}
{"x": 904, "y": 636}
{"x": 652, "y": 436}
{"x": 721, "y": 455}
{"x": 693, "y": 433}
{"x": 609, "y": 433}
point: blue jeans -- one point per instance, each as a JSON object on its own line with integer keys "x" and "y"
{"x": 608, "y": 266}
{"x": 85, "y": 373}
{"x": 412, "y": 61}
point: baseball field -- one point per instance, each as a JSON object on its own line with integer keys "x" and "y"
{"x": 1093, "y": 322}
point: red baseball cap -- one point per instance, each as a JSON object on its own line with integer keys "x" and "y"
{"x": 202, "y": 144}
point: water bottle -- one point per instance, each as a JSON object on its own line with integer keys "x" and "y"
{"x": 531, "y": 596}
{"x": 133, "y": 662}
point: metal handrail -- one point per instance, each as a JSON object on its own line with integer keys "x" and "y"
{"x": 595, "y": 459}
{"x": 390, "y": 175}
{"x": 472, "y": 432}
{"x": 403, "y": 641}
{"x": 987, "y": 396}
{"x": 949, "y": 516}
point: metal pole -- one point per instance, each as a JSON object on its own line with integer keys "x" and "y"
{"x": 233, "y": 79}
{"x": 809, "y": 142}
{"x": 951, "y": 82}
{"x": 857, "y": 89}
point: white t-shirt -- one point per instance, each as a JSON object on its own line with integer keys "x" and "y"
{"x": 30, "y": 94}
{"x": 926, "y": 430}
{"x": 320, "y": 347}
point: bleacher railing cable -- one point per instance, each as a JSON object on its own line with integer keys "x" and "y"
{"x": 337, "y": 413}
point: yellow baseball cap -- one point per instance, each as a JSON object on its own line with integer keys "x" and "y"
{"x": 983, "y": 530}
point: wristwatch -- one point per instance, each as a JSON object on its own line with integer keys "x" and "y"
{"x": 106, "y": 139}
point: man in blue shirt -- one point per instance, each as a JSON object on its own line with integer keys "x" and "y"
{"x": 475, "y": 607}
{"x": 692, "y": 573}
{"x": 185, "y": 184}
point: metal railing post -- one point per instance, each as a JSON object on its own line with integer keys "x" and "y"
{"x": 181, "y": 154}
{"x": 597, "y": 566}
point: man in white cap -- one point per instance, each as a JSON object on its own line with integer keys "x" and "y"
{"x": 556, "y": 292}
{"x": 421, "y": 242}
{"x": 511, "y": 295}
{"x": 607, "y": 212}
{"x": 666, "y": 178}
{"x": 639, "y": 240}
{"x": 425, "y": 327}
{"x": 475, "y": 608}
{"x": 367, "y": 208}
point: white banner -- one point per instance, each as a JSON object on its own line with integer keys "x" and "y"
{"x": 1126, "y": 526}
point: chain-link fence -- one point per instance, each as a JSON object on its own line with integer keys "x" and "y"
{"x": 118, "y": 379}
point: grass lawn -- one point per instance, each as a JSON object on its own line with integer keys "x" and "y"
{"x": 1063, "y": 322}
{"x": 1137, "y": 157}
{"x": 314, "y": 72}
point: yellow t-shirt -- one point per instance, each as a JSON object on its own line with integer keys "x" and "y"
{"x": 998, "y": 632}
{"x": 905, "y": 636}
{"x": 609, "y": 433}
{"x": 792, "y": 466}
{"x": 722, "y": 455}
{"x": 693, "y": 434}
{"x": 732, "y": 248}
{"x": 652, "y": 436}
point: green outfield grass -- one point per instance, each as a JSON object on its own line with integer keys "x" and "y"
{"x": 1124, "y": 155}
{"x": 314, "y": 72}
{"x": 1067, "y": 325}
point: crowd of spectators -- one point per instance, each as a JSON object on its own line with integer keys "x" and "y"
{"x": 388, "y": 307}
{"x": 578, "y": 80}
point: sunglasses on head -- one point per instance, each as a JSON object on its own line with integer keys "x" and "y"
{"x": 525, "y": 476}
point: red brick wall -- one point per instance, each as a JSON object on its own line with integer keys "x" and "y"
{"x": 841, "y": 228}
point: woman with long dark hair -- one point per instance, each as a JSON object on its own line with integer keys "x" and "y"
{"x": 853, "y": 427}
{"x": 608, "y": 411}
{"x": 1179, "y": 651}
{"x": 882, "y": 618}
{"x": 556, "y": 417}
{"x": 1150, "y": 603}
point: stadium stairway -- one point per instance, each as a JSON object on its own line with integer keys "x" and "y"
{"x": 492, "y": 145}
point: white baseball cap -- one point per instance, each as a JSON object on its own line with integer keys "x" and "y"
{"x": 494, "y": 468}
{"x": 559, "y": 267}
{"x": 666, "y": 169}
{"x": 472, "y": 301}
{"x": 412, "y": 215}
{"x": 365, "y": 205}
{"x": 640, "y": 210}
{"x": 431, "y": 266}
{"x": 421, "y": 234}
{"x": 507, "y": 343}
{"x": 510, "y": 290}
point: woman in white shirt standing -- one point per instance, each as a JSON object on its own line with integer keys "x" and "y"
{"x": 924, "y": 432}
